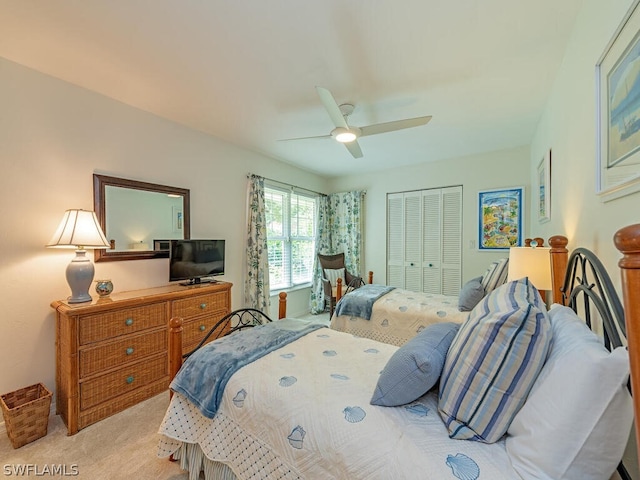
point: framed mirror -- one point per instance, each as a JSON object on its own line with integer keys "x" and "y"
{"x": 138, "y": 218}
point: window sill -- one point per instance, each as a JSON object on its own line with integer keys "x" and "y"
{"x": 275, "y": 293}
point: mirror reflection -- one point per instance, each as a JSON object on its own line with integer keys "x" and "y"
{"x": 138, "y": 218}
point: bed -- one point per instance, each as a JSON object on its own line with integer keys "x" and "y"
{"x": 394, "y": 315}
{"x": 301, "y": 408}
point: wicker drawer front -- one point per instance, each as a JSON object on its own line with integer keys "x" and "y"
{"x": 193, "y": 331}
{"x": 130, "y": 349}
{"x": 106, "y": 387}
{"x": 94, "y": 328}
{"x": 191, "y": 307}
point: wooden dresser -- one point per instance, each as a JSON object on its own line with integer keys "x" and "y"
{"x": 111, "y": 353}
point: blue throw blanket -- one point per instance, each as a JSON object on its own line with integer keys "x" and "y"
{"x": 205, "y": 374}
{"x": 359, "y": 302}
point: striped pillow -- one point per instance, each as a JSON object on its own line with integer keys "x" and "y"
{"x": 493, "y": 362}
{"x": 495, "y": 275}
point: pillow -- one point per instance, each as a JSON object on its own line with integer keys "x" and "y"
{"x": 415, "y": 367}
{"x": 577, "y": 419}
{"x": 495, "y": 275}
{"x": 333, "y": 275}
{"x": 470, "y": 294}
{"x": 493, "y": 362}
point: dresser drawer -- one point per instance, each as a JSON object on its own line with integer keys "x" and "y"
{"x": 194, "y": 330}
{"x": 114, "y": 354}
{"x": 198, "y": 305}
{"x": 94, "y": 328}
{"x": 106, "y": 387}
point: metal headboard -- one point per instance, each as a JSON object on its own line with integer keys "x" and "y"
{"x": 239, "y": 320}
{"x": 588, "y": 285}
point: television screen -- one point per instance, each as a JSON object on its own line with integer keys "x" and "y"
{"x": 195, "y": 260}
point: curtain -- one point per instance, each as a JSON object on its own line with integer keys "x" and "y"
{"x": 256, "y": 287}
{"x": 339, "y": 230}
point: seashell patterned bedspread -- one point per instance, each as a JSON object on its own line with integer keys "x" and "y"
{"x": 303, "y": 412}
{"x": 399, "y": 315}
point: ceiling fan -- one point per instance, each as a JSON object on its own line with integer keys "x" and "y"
{"x": 347, "y": 134}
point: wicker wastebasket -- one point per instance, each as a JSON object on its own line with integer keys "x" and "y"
{"x": 26, "y": 413}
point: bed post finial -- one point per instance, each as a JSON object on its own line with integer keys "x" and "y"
{"x": 282, "y": 305}
{"x": 559, "y": 260}
{"x": 175, "y": 347}
{"x": 370, "y": 277}
{"x": 627, "y": 241}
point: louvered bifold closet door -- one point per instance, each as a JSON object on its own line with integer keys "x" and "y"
{"x": 431, "y": 241}
{"x": 395, "y": 240}
{"x": 451, "y": 267}
{"x": 413, "y": 241}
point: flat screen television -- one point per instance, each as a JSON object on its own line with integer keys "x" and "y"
{"x": 195, "y": 261}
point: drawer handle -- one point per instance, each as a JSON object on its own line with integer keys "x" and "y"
{"x": 128, "y": 322}
{"x": 202, "y": 327}
{"x": 130, "y": 379}
{"x": 203, "y": 306}
{"x": 129, "y": 350}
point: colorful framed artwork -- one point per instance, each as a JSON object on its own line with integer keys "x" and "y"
{"x": 618, "y": 110}
{"x": 544, "y": 188}
{"x": 500, "y": 216}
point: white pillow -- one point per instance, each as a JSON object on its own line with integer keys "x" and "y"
{"x": 333, "y": 275}
{"x": 576, "y": 421}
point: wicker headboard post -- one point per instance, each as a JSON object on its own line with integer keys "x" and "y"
{"x": 627, "y": 241}
{"x": 559, "y": 256}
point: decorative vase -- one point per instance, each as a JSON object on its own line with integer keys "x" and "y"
{"x": 104, "y": 287}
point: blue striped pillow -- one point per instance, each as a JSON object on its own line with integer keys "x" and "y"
{"x": 495, "y": 275}
{"x": 493, "y": 362}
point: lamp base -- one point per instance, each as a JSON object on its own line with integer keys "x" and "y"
{"x": 79, "y": 277}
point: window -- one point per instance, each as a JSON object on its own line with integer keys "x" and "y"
{"x": 290, "y": 237}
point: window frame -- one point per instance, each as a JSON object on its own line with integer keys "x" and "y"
{"x": 287, "y": 238}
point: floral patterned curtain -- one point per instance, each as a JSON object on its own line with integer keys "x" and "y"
{"x": 256, "y": 287}
{"x": 339, "y": 230}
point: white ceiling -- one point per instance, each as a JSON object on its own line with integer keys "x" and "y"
{"x": 246, "y": 70}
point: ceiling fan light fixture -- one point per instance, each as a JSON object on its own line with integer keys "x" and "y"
{"x": 344, "y": 135}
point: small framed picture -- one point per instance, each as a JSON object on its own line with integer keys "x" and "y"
{"x": 544, "y": 188}
{"x": 500, "y": 216}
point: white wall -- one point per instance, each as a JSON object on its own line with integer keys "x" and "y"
{"x": 568, "y": 128}
{"x": 507, "y": 168}
{"x": 53, "y": 137}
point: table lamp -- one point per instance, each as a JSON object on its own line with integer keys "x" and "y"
{"x": 532, "y": 262}
{"x": 79, "y": 229}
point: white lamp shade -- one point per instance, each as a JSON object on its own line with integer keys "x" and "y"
{"x": 79, "y": 229}
{"x": 531, "y": 262}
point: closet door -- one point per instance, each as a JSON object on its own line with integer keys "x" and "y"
{"x": 424, "y": 230}
{"x": 431, "y": 241}
{"x": 451, "y": 266}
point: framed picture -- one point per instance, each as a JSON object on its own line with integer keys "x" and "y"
{"x": 618, "y": 110}
{"x": 500, "y": 215}
{"x": 177, "y": 218}
{"x": 544, "y": 188}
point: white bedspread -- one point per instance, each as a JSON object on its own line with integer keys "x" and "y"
{"x": 400, "y": 314}
{"x": 303, "y": 412}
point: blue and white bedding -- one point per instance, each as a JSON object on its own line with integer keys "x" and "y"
{"x": 360, "y": 301}
{"x": 398, "y": 315}
{"x": 302, "y": 411}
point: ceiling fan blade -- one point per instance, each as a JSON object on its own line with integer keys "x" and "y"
{"x": 304, "y": 138}
{"x": 331, "y": 107}
{"x": 392, "y": 126}
{"x": 354, "y": 149}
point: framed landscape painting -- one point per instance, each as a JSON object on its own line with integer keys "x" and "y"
{"x": 618, "y": 110}
{"x": 500, "y": 216}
